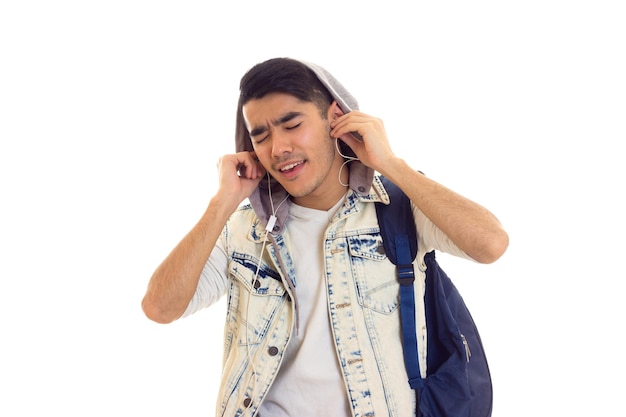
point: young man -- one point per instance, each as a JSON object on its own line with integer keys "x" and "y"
{"x": 312, "y": 327}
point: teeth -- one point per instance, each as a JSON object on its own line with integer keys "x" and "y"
{"x": 291, "y": 166}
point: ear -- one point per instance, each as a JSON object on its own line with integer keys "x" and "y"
{"x": 334, "y": 111}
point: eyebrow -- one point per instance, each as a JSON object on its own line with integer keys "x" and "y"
{"x": 283, "y": 119}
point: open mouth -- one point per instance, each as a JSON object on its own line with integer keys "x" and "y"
{"x": 289, "y": 168}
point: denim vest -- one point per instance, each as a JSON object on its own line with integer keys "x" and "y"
{"x": 362, "y": 296}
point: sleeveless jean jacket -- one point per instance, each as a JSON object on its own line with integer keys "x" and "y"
{"x": 363, "y": 303}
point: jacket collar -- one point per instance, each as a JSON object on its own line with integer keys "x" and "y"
{"x": 364, "y": 186}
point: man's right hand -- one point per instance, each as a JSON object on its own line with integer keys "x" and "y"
{"x": 239, "y": 176}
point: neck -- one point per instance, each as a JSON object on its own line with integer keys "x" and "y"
{"x": 325, "y": 202}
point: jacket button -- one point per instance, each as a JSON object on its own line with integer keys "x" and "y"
{"x": 247, "y": 402}
{"x": 362, "y": 189}
{"x": 273, "y": 351}
{"x": 257, "y": 284}
{"x": 380, "y": 249}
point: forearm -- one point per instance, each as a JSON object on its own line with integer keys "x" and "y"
{"x": 174, "y": 282}
{"x": 473, "y": 228}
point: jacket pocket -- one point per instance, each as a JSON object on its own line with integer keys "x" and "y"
{"x": 374, "y": 274}
{"x": 256, "y": 298}
{"x": 255, "y": 275}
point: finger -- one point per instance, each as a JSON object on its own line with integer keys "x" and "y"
{"x": 250, "y": 167}
{"x": 350, "y": 124}
{"x": 351, "y": 141}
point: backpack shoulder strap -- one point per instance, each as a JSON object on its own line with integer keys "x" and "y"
{"x": 397, "y": 228}
{"x": 396, "y": 221}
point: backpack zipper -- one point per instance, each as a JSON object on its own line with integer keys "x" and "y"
{"x": 468, "y": 353}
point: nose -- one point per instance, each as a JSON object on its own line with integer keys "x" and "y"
{"x": 281, "y": 144}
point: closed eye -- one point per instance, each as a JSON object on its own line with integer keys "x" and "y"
{"x": 293, "y": 127}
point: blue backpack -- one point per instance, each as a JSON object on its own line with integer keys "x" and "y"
{"x": 458, "y": 381}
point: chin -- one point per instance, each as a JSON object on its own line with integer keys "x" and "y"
{"x": 298, "y": 192}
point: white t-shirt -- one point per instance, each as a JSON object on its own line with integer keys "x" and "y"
{"x": 309, "y": 382}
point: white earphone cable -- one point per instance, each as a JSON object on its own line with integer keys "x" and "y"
{"x": 268, "y": 228}
{"x": 347, "y": 158}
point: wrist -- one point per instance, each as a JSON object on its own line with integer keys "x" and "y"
{"x": 395, "y": 168}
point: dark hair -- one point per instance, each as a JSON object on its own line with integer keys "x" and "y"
{"x": 278, "y": 75}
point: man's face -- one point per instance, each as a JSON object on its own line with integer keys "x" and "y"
{"x": 292, "y": 141}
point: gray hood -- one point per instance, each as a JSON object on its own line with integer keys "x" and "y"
{"x": 361, "y": 176}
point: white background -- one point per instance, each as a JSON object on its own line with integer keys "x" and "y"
{"x": 112, "y": 118}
